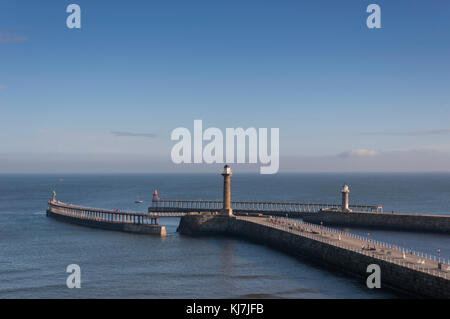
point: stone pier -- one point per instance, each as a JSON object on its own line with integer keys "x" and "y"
{"x": 385, "y": 221}
{"x": 105, "y": 219}
{"x": 400, "y": 271}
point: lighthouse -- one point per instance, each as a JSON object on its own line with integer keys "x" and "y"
{"x": 155, "y": 196}
{"x": 226, "y": 210}
{"x": 155, "y": 199}
{"x": 345, "y": 190}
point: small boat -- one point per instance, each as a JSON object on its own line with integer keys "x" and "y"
{"x": 138, "y": 201}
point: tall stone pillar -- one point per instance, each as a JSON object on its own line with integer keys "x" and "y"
{"x": 226, "y": 210}
{"x": 345, "y": 190}
{"x": 54, "y": 197}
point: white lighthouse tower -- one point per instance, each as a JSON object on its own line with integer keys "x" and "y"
{"x": 345, "y": 191}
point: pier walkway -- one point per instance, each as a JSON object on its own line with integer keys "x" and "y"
{"x": 404, "y": 257}
{"x": 144, "y": 223}
{"x": 170, "y": 205}
{"x": 105, "y": 215}
{"x": 411, "y": 272}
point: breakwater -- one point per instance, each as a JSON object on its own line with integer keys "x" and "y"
{"x": 105, "y": 219}
{"x": 439, "y": 224}
{"x": 391, "y": 221}
{"x": 330, "y": 214}
{"x": 410, "y": 272}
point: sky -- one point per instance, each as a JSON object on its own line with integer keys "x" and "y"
{"x": 106, "y": 97}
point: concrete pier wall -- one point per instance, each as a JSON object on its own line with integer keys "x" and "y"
{"x": 389, "y": 221}
{"x": 396, "y": 221}
{"x": 116, "y": 226}
{"x": 392, "y": 275}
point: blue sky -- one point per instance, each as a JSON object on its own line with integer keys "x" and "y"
{"x": 345, "y": 97}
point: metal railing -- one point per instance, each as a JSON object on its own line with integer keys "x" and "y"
{"x": 259, "y": 206}
{"x": 318, "y": 233}
{"x": 104, "y": 215}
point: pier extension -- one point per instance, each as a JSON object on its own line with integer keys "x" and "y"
{"x": 105, "y": 219}
{"x": 412, "y": 273}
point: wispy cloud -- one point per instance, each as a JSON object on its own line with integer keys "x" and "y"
{"x": 2, "y": 86}
{"x": 124, "y": 134}
{"x": 358, "y": 153}
{"x": 444, "y": 131}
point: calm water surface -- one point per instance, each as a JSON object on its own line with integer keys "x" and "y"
{"x": 35, "y": 250}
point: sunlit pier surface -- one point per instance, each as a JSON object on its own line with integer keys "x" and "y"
{"x": 411, "y": 272}
{"x": 430, "y": 264}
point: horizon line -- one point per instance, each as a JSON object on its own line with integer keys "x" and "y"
{"x": 213, "y": 173}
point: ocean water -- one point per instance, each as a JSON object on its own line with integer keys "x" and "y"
{"x": 35, "y": 250}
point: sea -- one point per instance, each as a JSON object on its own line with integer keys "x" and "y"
{"x": 35, "y": 250}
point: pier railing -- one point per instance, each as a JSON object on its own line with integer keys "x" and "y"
{"x": 258, "y": 206}
{"x": 418, "y": 260}
{"x": 431, "y": 264}
{"x": 104, "y": 215}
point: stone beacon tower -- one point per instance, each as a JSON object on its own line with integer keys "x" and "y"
{"x": 226, "y": 210}
{"x": 53, "y": 197}
{"x": 345, "y": 190}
